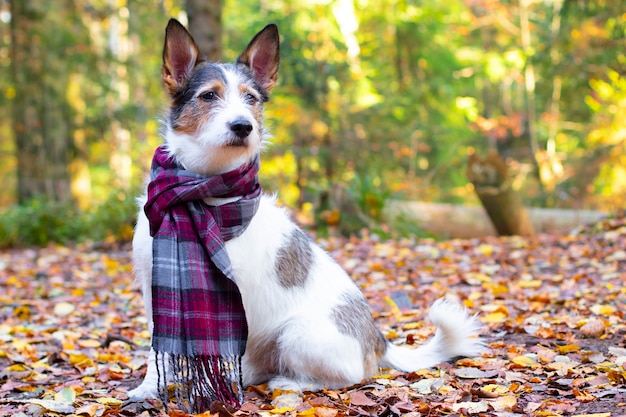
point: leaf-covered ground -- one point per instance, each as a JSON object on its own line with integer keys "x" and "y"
{"x": 73, "y": 338}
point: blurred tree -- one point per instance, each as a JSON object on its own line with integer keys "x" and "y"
{"x": 205, "y": 25}
{"x": 41, "y": 118}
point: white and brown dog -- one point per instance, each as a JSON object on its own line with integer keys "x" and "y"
{"x": 309, "y": 325}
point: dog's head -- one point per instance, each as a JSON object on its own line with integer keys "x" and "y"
{"x": 215, "y": 122}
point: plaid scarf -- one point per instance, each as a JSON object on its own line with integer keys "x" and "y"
{"x": 200, "y": 325}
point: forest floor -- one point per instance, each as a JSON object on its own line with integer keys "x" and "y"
{"x": 73, "y": 337}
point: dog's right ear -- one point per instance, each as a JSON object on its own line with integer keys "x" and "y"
{"x": 180, "y": 56}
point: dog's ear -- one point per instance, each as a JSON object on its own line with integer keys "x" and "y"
{"x": 262, "y": 56}
{"x": 180, "y": 56}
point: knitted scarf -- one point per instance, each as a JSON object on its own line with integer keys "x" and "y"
{"x": 200, "y": 326}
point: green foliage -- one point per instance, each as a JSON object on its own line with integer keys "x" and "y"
{"x": 384, "y": 97}
{"x": 39, "y": 223}
{"x": 369, "y": 195}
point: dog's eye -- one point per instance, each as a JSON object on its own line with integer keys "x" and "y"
{"x": 250, "y": 98}
{"x": 208, "y": 96}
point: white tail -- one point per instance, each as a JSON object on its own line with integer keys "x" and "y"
{"x": 456, "y": 335}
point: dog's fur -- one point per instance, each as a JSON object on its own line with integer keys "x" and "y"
{"x": 309, "y": 325}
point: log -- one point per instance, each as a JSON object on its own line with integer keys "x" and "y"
{"x": 493, "y": 183}
{"x": 450, "y": 221}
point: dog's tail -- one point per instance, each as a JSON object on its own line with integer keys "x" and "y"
{"x": 456, "y": 335}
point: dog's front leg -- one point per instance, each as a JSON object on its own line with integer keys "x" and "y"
{"x": 142, "y": 259}
{"x": 149, "y": 387}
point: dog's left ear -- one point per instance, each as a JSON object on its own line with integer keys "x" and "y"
{"x": 262, "y": 56}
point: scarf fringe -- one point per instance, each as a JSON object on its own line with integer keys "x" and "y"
{"x": 198, "y": 381}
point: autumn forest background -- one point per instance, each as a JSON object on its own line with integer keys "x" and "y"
{"x": 384, "y": 99}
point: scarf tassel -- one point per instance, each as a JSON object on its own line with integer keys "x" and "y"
{"x": 197, "y": 381}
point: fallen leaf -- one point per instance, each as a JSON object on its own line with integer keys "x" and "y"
{"x": 359, "y": 399}
{"x": 64, "y": 308}
{"x": 525, "y": 361}
{"x": 110, "y": 401}
{"x": 66, "y": 395}
{"x": 504, "y": 403}
{"x": 54, "y": 406}
{"x": 472, "y": 407}
{"x": 602, "y": 309}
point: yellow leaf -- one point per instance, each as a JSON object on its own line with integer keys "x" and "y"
{"x": 281, "y": 410}
{"x": 477, "y": 278}
{"x": 16, "y": 368}
{"x": 603, "y": 309}
{"x": 496, "y": 317}
{"x": 88, "y": 343}
{"x": 524, "y": 361}
{"x": 68, "y": 344}
{"x": 110, "y": 401}
{"x": 395, "y": 310}
{"x": 496, "y": 289}
{"x": 111, "y": 265}
{"x": 392, "y": 334}
{"x": 80, "y": 360}
{"x": 495, "y": 388}
{"x": 568, "y": 348}
{"x": 468, "y": 303}
{"x": 485, "y": 249}
{"x": 531, "y": 283}
{"x": 22, "y": 312}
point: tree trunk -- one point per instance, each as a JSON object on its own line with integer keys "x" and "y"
{"x": 40, "y": 114}
{"x": 205, "y": 25}
{"x": 493, "y": 183}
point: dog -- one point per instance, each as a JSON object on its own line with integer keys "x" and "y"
{"x": 309, "y": 325}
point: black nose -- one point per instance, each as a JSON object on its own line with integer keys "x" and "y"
{"x": 241, "y": 128}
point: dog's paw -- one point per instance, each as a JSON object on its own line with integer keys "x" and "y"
{"x": 143, "y": 391}
{"x": 287, "y": 384}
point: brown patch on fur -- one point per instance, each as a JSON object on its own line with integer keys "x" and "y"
{"x": 217, "y": 87}
{"x": 198, "y": 111}
{"x": 294, "y": 260}
{"x": 191, "y": 120}
{"x": 354, "y": 318}
{"x": 243, "y": 89}
{"x": 263, "y": 353}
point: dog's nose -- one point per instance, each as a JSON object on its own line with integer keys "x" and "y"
{"x": 241, "y": 128}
